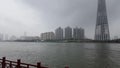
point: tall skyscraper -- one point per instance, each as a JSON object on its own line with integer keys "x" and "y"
{"x": 59, "y": 33}
{"x": 68, "y": 33}
{"x": 102, "y": 27}
{"x": 78, "y": 33}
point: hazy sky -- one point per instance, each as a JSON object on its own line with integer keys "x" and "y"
{"x": 36, "y": 16}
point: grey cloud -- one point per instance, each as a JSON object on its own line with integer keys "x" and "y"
{"x": 75, "y": 13}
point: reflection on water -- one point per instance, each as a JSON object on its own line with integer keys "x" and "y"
{"x": 102, "y": 59}
{"x": 57, "y": 55}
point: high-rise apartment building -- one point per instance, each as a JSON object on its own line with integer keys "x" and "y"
{"x": 78, "y": 33}
{"x": 68, "y": 33}
{"x": 59, "y": 34}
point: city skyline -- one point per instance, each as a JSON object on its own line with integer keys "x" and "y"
{"x": 66, "y": 33}
{"x": 35, "y": 17}
{"x": 58, "y": 34}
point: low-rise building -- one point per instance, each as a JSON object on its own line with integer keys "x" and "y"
{"x": 29, "y": 38}
{"x": 47, "y": 36}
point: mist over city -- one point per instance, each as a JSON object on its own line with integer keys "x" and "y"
{"x": 36, "y": 17}
{"x": 59, "y": 34}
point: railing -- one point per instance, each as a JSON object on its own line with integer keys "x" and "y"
{"x": 13, "y": 64}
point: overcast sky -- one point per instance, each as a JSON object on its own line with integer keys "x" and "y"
{"x": 37, "y": 16}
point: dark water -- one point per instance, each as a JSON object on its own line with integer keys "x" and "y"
{"x": 57, "y": 55}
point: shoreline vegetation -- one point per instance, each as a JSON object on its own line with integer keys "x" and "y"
{"x": 67, "y": 41}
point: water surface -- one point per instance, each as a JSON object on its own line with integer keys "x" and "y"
{"x": 57, "y": 55}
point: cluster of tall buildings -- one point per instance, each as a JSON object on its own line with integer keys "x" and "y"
{"x": 101, "y": 31}
{"x": 64, "y": 34}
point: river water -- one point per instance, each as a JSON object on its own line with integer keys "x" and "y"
{"x": 58, "y": 55}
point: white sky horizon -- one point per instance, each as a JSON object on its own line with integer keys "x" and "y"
{"x": 38, "y": 16}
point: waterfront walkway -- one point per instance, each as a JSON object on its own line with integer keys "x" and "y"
{"x": 4, "y": 63}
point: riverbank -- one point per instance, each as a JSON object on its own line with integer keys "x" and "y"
{"x": 66, "y": 41}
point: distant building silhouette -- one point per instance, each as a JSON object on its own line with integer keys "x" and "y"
{"x": 25, "y": 33}
{"x": 102, "y": 27}
{"x": 59, "y": 34}
{"x": 68, "y": 33}
{"x": 1, "y": 37}
{"x": 78, "y": 33}
{"x": 47, "y": 36}
{"x": 13, "y": 37}
{"x": 29, "y": 38}
{"x": 6, "y": 37}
